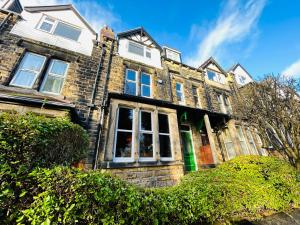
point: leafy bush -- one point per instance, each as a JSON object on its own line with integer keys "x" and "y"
{"x": 241, "y": 188}
{"x": 36, "y": 140}
{"x": 28, "y": 141}
{"x": 244, "y": 187}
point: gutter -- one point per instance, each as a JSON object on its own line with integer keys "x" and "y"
{"x": 103, "y": 106}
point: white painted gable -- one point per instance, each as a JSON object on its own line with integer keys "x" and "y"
{"x": 241, "y": 76}
{"x": 147, "y": 44}
{"x": 28, "y": 28}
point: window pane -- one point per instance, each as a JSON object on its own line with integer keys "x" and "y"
{"x": 146, "y": 145}
{"x": 230, "y": 149}
{"x": 123, "y": 144}
{"x": 24, "y": 78}
{"x": 53, "y": 84}
{"x": 146, "y": 121}
{"x": 32, "y": 62}
{"x": 211, "y": 75}
{"x": 178, "y": 87}
{"x": 136, "y": 48}
{"x": 59, "y": 67}
{"x": 179, "y": 96}
{"x": 145, "y": 79}
{"x": 67, "y": 31}
{"x": 165, "y": 146}
{"x": 163, "y": 123}
{"x": 125, "y": 119}
{"x": 131, "y": 75}
{"x": 130, "y": 88}
{"x": 46, "y": 26}
{"x": 148, "y": 55}
{"x": 145, "y": 91}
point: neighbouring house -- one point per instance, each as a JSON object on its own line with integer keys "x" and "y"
{"x": 241, "y": 75}
{"x": 151, "y": 118}
{"x": 11, "y": 5}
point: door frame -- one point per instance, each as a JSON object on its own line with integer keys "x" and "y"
{"x": 190, "y": 131}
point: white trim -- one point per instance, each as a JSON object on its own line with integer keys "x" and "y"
{"x": 131, "y": 81}
{"x": 54, "y": 26}
{"x": 164, "y": 159}
{"x": 54, "y": 75}
{"x": 124, "y": 159}
{"x": 37, "y": 73}
{"x": 150, "y": 85}
{"x": 140, "y": 131}
{"x": 181, "y": 91}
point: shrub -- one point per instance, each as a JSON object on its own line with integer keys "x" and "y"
{"x": 33, "y": 140}
{"x": 28, "y": 141}
{"x": 241, "y": 188}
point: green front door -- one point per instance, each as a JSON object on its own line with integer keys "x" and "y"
{"x": 188, "y": 150}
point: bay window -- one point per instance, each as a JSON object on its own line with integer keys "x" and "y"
{"x": 251, "y": 141}
{"x": 164, "y": 137}
{"x": 228, "y": 144}
{"x": 124, "y": 135}
{"x": 151, "y": 134}
{"x": 146, "y": 151}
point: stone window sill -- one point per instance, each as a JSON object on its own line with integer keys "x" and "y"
{"x": 112, "y": 165}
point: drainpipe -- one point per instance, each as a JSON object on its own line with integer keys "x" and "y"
{"x": 5, "y": 20}
{"x": 93, "y": 96}
{"x": 103, "y": 105}
{"x": 170, "y": 84}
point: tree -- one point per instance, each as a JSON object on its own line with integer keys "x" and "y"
{"x": 273, "y": 107}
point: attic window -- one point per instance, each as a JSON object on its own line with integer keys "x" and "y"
{"x": 217, "y": 77}
{"x": 59, "y": 28}
{"x": 136, "y": 48}
{"x": 173, "y": 55}
{"x": 242, "y": 79}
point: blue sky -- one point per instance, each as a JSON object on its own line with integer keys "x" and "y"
{"x": 263, "y": 35}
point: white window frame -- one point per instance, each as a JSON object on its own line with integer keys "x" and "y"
{"x": 141, "y": 131}
{"x": 180, "y": 91}
{"x": 55, "y": 23}
{"x": 132, "y": 131}
{"x": 220, "y": 78}
{"x": 131, "y": 81}
{"x": 137, "y": 45}
{"x": 242, "y": 139}
{"x": 148, "y": 50}
{"x": 165, "y": 159}
{"x": 54, "y": 75}
{"x": 150, "y": 85}
{"x": 37, "y": 73}
{"x": 226, "y": 140}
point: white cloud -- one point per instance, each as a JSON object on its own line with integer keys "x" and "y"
{"x": 293, "y": 70}
{"x": 96, "y": 14}
{"x": 235, "y": 22}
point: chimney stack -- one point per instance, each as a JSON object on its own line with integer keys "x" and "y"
{"x": 106, "y": 32}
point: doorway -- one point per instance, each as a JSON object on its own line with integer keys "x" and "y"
{"x": 206, "y": 156}
{"x": 188, "y": 148}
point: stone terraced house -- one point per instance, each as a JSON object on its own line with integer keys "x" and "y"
{"x": 150, "y": 117}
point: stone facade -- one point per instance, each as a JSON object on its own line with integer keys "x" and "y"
{"x": 201, "y": 134}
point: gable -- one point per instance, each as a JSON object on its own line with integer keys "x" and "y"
{"x": 213, "y": 67}
{"x": 140, "y": 36}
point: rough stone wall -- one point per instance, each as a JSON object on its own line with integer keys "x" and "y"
{"x": 155, "y": 176}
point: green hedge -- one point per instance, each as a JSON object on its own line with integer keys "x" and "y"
{"x": 28, "y": 141}
{"x": 242, "y": 188}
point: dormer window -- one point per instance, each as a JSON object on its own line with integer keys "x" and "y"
{"x": 214, "y": 76}
{"x": 173, "y": 55}
{"x": 59, "y": 28}
{"x": 136, "y": 48}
